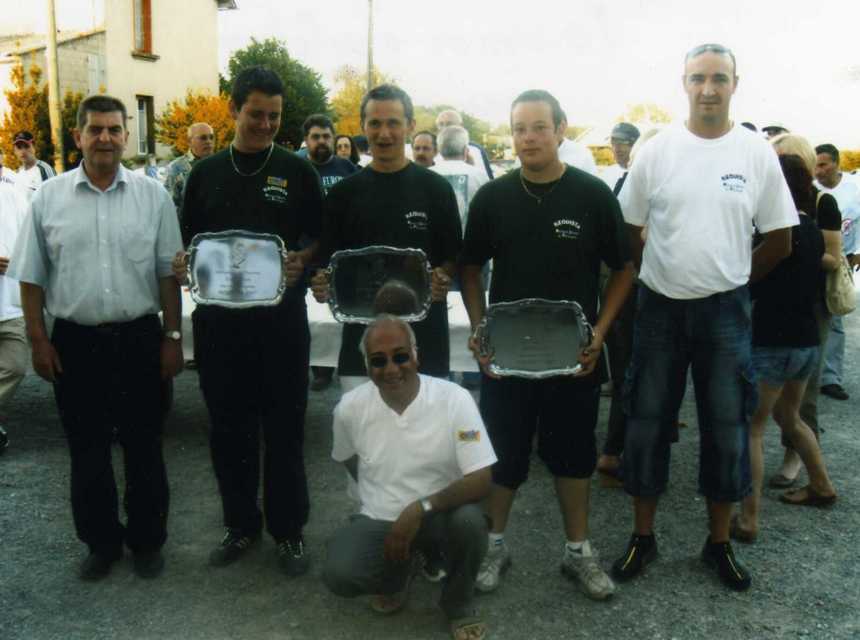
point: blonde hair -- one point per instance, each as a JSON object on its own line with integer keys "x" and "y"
{"x": 791, "y": 144}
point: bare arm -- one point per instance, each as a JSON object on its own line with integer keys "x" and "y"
{"x": 46, "y": 362}
{"x": 774, "y": 248}
{"x": 472, "y": 292}
{"x": 637, "y": 244}
{"x": 832, "y": 250}
{"x": 171, "y": 310}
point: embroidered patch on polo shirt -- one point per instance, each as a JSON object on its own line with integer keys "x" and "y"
{"x": 277, "y": 182}
{"x": 472, "y": 435}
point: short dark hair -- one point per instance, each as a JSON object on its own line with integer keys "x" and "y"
{"x": 320, "y": 120}
{"x": 424, "y": 132}
{"x": 361, "y": 143}
{"x": 830, "y": 150}
{"x": 539, "y": 95}
{"x": 711, "y": 47}
{"x": 100, "y": 103}
{"x": 255, "y": 79}
{"x": 353, "y": 148}
{"x": 749, "y": 125}
{"x": 388, "y": 92}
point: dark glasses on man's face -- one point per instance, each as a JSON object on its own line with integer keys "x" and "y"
{"x": 379, "y": 361}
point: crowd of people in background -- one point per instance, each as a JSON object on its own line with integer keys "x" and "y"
{"x": 703, "y": 250}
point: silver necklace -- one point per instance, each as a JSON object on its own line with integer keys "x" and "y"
{"x": 259, "y": 169}
{"x": 539, "y": 199}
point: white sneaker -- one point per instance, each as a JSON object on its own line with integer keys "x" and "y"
{"x": 495, "y": 563}
{"x": 587, "y": 572}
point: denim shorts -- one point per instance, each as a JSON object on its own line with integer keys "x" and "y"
{"x": 777, "y": 365}
{"x": 712, "y": 337}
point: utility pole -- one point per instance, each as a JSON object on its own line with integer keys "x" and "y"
{"x": 54, "y": 90}
{"x": 369, "y": 45}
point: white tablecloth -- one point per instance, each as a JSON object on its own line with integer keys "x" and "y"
{"x": 325, "y": 332}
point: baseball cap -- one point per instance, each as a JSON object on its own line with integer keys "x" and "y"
{"x": 775, "y": 125}
{"x": 624, "y": 132}
{"x": 23, "y": 136}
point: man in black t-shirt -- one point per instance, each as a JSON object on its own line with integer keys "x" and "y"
{"x": 396, "y": 203}
{"x": 547, "y": 227}
{"x": 253, "y": 362}
{"x": 319, "y": 142}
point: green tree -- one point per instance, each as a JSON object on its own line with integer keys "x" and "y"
{"x": 425, "y": 118}
{"x": 304, "y": 92}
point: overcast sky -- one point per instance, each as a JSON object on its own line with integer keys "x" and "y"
{"x": 799, "y": 61}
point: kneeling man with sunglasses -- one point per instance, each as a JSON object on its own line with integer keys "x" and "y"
{"x": 417, "y": 448}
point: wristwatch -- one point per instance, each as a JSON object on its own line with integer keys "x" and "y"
{"x": 426, "y": 505}
{"x": 173, "y": 335}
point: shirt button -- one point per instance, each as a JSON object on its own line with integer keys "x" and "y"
{"x": 107, "y": 290}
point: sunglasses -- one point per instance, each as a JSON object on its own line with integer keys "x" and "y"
{"x": 380, "y": 361}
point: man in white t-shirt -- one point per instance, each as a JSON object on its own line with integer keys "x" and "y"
{"x": 418, "y": 449}
{"x": 14, "y": 352}
{"x": 463, "y": 177}
{"x": 700, "y": 188}
{"x": 32, "y": 172}
{"x": 830, "y": 179}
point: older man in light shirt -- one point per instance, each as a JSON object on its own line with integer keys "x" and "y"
{"x": 96, "y": 253}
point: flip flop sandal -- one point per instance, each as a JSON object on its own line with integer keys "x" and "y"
{"x": 468, "y": 629}
{"x": 780, "y": 481}
{"x": 811, "y": 499}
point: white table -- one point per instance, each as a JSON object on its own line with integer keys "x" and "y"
{"x": 326, "y": 331}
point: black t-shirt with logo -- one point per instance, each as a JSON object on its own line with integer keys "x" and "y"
{"x": 550, "y": 249}
{"x": 333, "y": 171}
{"x": 411, "y": 208}
{"x": 284, "y": 199}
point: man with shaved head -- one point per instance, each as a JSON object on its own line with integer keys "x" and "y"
{"x": 201, "y": 144}
{"x": 418, "y": 449}
{"x": 701, "y": 188}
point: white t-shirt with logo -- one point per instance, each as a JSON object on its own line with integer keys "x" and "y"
{"x": 464, "y": 178}
{"x": 847, "y": 194}
{"x": 699, "y": 199}
{"x": 13, "y": 211}
{"x": 437, "y": 440}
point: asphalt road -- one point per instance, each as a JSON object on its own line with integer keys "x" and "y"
{"x": 806, "y": 574}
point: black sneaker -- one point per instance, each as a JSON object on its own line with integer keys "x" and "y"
{"x": 641, "y": 550}
{"x": 97, "y": 565}
{"x": 148, "y": 564}
{"x": 720, "y": 556}
{"x": 232, "y": 546}
{"x": 292, "y": 557}
{"x": 834, "y": 391}
{"x": 4, "y": 439}
{"x": 432, "y": 565}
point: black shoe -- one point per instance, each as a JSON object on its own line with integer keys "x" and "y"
{"x": 433, "y": 565}
{"x": 721, "y": 557}
{"x": 641, "y": 550}
{"x": 232, "y": 546}
{"x": 148, "y": 564}
{"x": 292, "y": 557}
{"x": 97, "y": 565}
{"x": 4, "y": 439}
{"x": 834, "y": 391}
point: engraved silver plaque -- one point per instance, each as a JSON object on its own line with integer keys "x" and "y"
{"x": 236, "y": 269}
{"x": 534, "y": 338}
{"x": 377, "y": 279}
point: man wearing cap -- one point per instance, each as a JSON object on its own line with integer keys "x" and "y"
{"x": 773, "y": 130}
{"x": 201, "y": 144}
{"x": 701, "y": 187}
{"x": 32, "y": 172}
{"x": 830, "y": 179}
{"x": 624, "y": 135}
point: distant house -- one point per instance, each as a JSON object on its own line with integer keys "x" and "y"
{"x": 147, "y": 53}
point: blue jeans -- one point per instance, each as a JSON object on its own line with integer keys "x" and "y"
{"x": 834, "y": 353}
{"x": 712, "y": 335}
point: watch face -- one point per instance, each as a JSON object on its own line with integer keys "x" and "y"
{"x": 173, "y": 335}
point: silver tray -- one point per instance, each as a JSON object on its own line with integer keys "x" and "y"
{"x": 236, "y": 269}
{"x": 378, "y": 279}
{"x": 534, "y": 338}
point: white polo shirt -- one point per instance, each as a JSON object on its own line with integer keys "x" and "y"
{"x": 402, "y": 458}
{"x": 13, "y": 210}
{"x": 699, "y": 199}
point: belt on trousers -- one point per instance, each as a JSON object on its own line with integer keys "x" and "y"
{"x": 112, "y": 328}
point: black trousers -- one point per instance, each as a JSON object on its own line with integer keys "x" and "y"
{"x": 253, "y": 366}
{"x": 111, "y": 382}
{"x": 619, "y": 344}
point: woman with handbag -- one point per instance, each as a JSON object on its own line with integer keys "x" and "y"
{"x": 785, "y": 353}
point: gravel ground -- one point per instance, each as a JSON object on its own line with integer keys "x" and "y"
{"x": 806, "y": 575}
